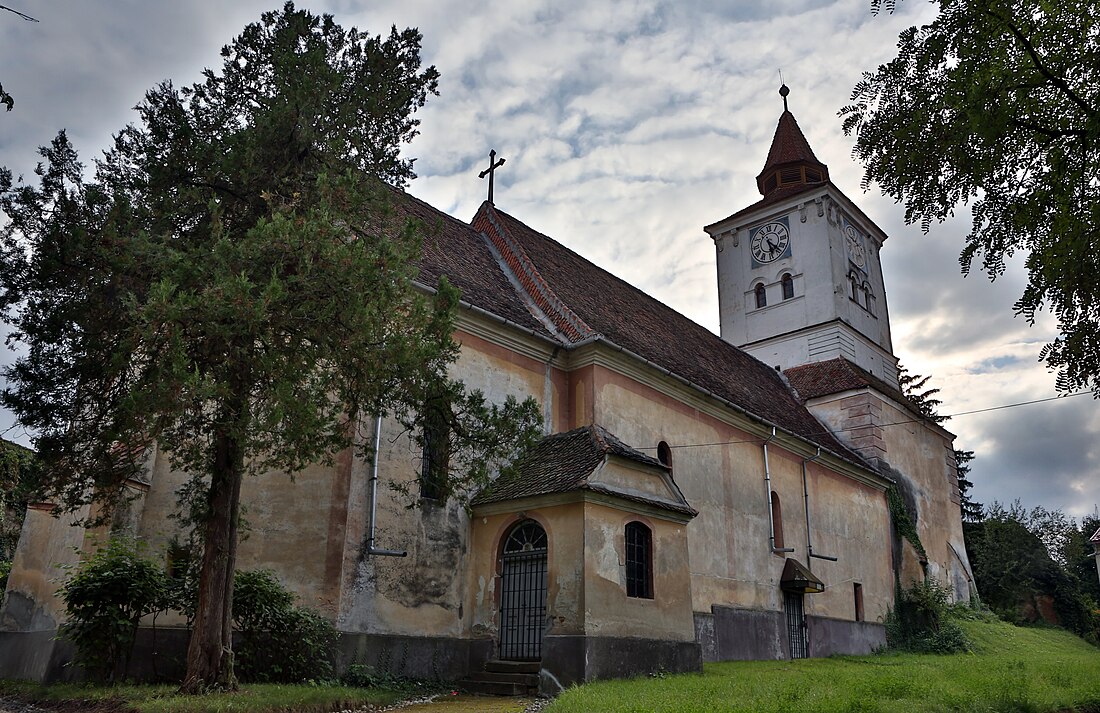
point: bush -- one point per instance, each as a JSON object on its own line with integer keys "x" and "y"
{"x": 278, "y": 642}
{"x": 5, "y": 570}
{"x": 922, "y": 621}
{"x": 105, "y": 599}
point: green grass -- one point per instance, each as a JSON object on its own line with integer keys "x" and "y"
{"x": 1017, "y": 670}
{"x": 252, "y": 698}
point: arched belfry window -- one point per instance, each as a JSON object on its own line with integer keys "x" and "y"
{"x": 639, "y": 561}
{"x": 853, "y": 286}
{"x": 788, "y": 286}
{"x": 761, "y": 296}
{"x": 777, "y": 521}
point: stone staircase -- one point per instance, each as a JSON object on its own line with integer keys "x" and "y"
{"x": 504, "y": 678}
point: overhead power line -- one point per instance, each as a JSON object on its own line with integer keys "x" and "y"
{"x": 879, "y": 425}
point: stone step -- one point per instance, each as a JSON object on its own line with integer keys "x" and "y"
{"x": 523, "y": 679}
{"x": 497, "y": 666}
{"x": 494, "y": 688}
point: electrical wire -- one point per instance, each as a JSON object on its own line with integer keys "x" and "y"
{"x": 925, "y": 419}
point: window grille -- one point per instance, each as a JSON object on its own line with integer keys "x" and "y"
{"x": 639, "y": 561}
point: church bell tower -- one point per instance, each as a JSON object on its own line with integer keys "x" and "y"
{"x": 799, "y": 277}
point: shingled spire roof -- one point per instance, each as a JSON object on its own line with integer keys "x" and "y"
{"x": 791, "y": 161}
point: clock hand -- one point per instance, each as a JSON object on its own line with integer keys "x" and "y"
{"x": 772, "y": 247}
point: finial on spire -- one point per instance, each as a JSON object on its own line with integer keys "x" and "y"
{"x": 783, "y": 92}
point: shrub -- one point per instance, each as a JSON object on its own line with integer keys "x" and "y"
{"x": 5, "y": 570}
{"x": 921, "y": 621}
{"x": 278, "y": 642}
{"x": 105, "y": 599}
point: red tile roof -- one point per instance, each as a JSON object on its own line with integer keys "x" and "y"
{"x": 836, "y": 375}
{"x": 626, "y": 316}
{"x": 789, "y": 145}
{"x": 562, "y": 463}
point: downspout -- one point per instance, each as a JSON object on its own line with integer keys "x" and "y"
{"x": 771, "y": 512}
{"x": 371, "y": 550}
{"x": 806, "y": 499}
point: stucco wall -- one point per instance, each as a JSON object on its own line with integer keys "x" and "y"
{"x": 729, "y": 553}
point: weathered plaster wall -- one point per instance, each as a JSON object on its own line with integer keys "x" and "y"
{"x": 608, "y": 611}
{"x": 920, "y": 457}
{"x": 729, "y": 553}
{"x": 565, "y": 595}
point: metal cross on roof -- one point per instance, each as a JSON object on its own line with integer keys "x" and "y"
{"x": 493, "y": 166}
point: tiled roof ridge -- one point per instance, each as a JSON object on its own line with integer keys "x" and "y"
{"x": 538, "y": 290}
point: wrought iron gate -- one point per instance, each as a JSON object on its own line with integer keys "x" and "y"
{"x": 796, "y": 625}
{"x": 523, "y": 592}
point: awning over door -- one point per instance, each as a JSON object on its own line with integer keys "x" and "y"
{"x": 797, "y": 578}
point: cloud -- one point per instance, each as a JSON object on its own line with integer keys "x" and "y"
{"x": 626, "y": 127}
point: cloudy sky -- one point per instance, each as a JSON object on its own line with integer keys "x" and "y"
{"x": 627, "y": 126}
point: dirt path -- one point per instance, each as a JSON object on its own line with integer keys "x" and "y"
{"x": 473, "y": 704}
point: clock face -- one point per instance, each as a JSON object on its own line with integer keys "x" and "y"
{"x": 856, "y": 253}
{"x": 770, "y": 242}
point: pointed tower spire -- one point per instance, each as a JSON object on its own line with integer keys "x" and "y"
{"x": 791, "y": 161}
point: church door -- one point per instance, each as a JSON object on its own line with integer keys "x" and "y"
{"x": 796, "y": 624}
{"x": 523, "y": 592}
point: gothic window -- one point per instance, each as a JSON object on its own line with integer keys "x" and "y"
{"x": 761, "y": 296}
{"x": 435, "y": 463}
{"x": 777, "y": 521}
{"x": 639, "y": 561}
{"x": 788, "y": 286}
{"x": 664, "y": 454}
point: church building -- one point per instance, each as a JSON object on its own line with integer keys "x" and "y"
{"x": 695, "y": 498}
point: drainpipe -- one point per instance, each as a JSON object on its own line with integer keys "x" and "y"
{"x": 771, "y": 514}
{"x": 806, "y": 499}
{"x": 371, "y": 550}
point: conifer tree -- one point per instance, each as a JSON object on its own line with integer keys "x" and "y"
{"x": 236, "y": 286}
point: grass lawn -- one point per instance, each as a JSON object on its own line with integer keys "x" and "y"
{"x": 252, "y": 698}
{"x": 1012, "y": 669}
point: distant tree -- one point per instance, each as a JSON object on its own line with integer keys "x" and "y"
{"x": 1014, "y": 568}
{"x": 999, "y": 103}
{"x": 971, "y": 509}
{"x": 236, "y": 286}
{"x": 916, "y": 389}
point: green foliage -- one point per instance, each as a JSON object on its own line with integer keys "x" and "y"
{"x": 6, "y": 99}
{"x": 5, "y": 570}
{"x": 921, "y": 621}
{"x": 105, "y": 598}
{"x": 363, "y": 676}
{"x": 255, "y": 698}
{"x": 904, "y": 525}
{"x": 1010, "y": 670}
{"x": 971, "y": 509}
{"x": 279, "y": 642}
{"x": 999, "y": 103}
{"x": 920, "y": 394}
{"x": 19, "y": 476}
{"x": 1010, "y": 552}
{"x": 235, "y": 283}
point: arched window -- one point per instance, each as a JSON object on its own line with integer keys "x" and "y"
{"x": 853, "y": 286}
{"x": 664, "y": 454}
{"x": 868, "y": 297}
{"x": 788, "y": 286}
{"x": 761, "y": 296}
{"x": 777, "y": 521}
{"x": 639, "y": 561}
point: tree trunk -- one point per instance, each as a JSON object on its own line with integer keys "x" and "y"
{"x": 210, "y": 651}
